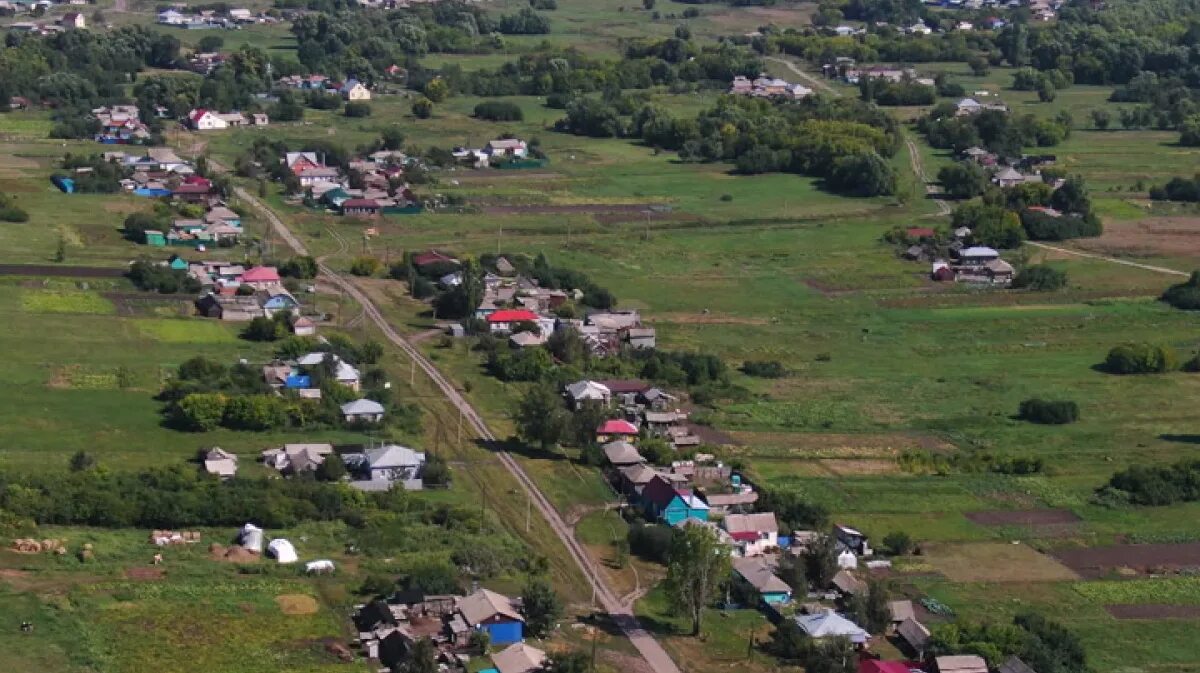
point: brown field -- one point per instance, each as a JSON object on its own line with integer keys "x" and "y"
{"x": 706, "y": 319}
{"x": 836, "y": 445}
{"x": 995, "y": 562}
{"x": 1093, "y": 562}
{"x": 1023, "y": 517}
{"x": 852, "y": 467}
{"x": 1154, "y": 236}
{"x": 1153, "y": 611}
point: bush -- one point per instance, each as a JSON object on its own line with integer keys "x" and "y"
{"x": 1049, "y": 412}
{"x": 766, "y": 369}
{"x": 499, "y": 111}
{"x": 422, "y": 108}
{"x": 1041, "y": 278}
{"x": 1140, "y": 358}
{"x": 366, "y": 266}
{"x": 650, "y": 542}
{"x": 357, "y": 109}
{"x": 1185, "y": 295}
{"x": 1042, "y": 227}
{"x": 898, "y": 543}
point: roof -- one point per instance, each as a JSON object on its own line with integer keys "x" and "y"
{"x": 961, "y": 663}
{"x": 639, "y": 474}
{"x": 920, "y": 232}
{"x": 197, "y": 114}
{"x": 518, "y": 658}
{"x": 622, "y": 453}
{"x": 847, "y": 583}
{"x": 830, "y": 624}
{"x": 1008, "y": 173}
{"x": 998, "y": 266}
{"x": 484, "y": 604}
{"x": 913, "y": 632}
{"x": 760, "y": 575}
{"x": 587, "y": 390}
{"x": 432, "y": 257}
{"x": 393, "y": 455}
{"x": 901, "y": 610}
{"x": 623, "y": 386}
{"x": 979, "y": 251}
{"x": 512, "y": 315}
{"x": 363, "y": 406}
{"x": 731, "y": 499}
{"x": 762, "y": 522}
{"x": 617, "y": 426}
{"x": 360, "y": 203}
{"x": 261, "y": 274}
{"x": 1014, "y": 665}
{"x": 878, "y": 666}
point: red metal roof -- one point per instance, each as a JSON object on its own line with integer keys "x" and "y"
{"x": 432, "y": 257}
{"x": 192, "y": 189}
{"x": 617, "y": 426}
{"x": 261, "y": 274}
{"x": 877, "y": 666}
{"x": 919, "y": 232}
{"x": 512, "y": 315}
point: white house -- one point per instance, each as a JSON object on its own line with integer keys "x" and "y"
{"x": 582, "y": 392}
{"x": 753, "y": 534}
{"x": 507, "y": 147}
{"x": 830, "y": 624}
{"x": 364, "y": 410}
{"x": 206, "y": 120}
{"x": 241, "y": 15}
{"x": 355, "y": 90}
{"x": 390, "y": 464}
{"x": 171, "y": 18}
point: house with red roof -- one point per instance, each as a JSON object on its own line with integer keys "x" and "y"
{"x": 432, "y": 257}
{"x": 361, "y": 208}
{"x": 260, "y": 278}
{"x": 920, "y": 232}
{"x": 191, "y": 193}
{"x": 615, "y": 428}
{"x": 504, "y": 320}
{"x": 879, "y": 666}
{"x": 201, "y": 119}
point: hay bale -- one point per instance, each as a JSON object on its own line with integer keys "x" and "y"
{"x": 86, "y": 555}
{"x": 61, "y": 551}
{"x": 87, "y": 546}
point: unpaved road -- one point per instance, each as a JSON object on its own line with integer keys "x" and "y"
{"x": 817, "y": 83}
{"x": 620, "y": 611}
{"x": 918, "y": 166}
{"x": 1114, "y": 260}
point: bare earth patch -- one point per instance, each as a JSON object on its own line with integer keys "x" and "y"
{"x": 708, "y": 319}
{"x": 995, "y": 562}
{"x": 1154, "y": 236}
{"x": 1153, "y": 611}
{"x": 1023, "y": 517}
{"x": 853, "y": 467}
{"x": 1093, "y": 562}
{"x": 145, "y": 574}
{"x": 297, "y": 604}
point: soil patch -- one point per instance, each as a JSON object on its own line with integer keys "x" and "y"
{"x": 709, "y": 435}
{"x": 995, "y": 562}
{"x": 1023, "y": 517}
{"x": 1154, "y": 236}
{"x": 234, "y": 554}
{"x": 1095, "y": 562}
{"x": 708, "y": 319}
{"x": 1153, "y": 611}
{"x": 852, "y": 467}
{"x": 297, "y": 604}
{"x": 145, "y": 574}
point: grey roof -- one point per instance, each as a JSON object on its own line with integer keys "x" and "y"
{"x": 1015, "y": 665}
{"x": 622, "y": 453}
{"x": 961, "y": 663}
{"x": 848, "y": 583}
{"x": 363, "y": 406}
{"x": 518, "y": 658}
{"x": 730, "y": 499}
{"x": 393, "y": 455}
{"x": 914, "y": 633}
{"x": 829, "y": 624}
{"x": 901, "y": 610}
{"x": 760, "y": 575}
{"x": 762, "y": 522}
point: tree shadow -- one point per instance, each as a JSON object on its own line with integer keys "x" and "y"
{"x": 1183, "y": 439}
{"x": 518, "y": 448}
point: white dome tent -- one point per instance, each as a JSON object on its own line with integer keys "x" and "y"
{"x": 282, "y": 551}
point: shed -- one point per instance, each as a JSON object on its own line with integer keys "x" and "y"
{"x": 518, "y": 658}
{"x": 914, "y": 633}
{"x": 155, "y": 238}
{"x": 830, "y": 624}
{"x": 961, "y": 663}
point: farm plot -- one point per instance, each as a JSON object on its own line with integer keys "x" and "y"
{"x": 65, "y": 301}
{"x": 995, "y": 562}
{"x": 1023, "y": 517}
{"x": 1157, "y": 591}
{"x": 1094, "y": 562}
{"x": 1154, "y": 611}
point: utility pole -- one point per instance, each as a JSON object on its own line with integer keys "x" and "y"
{"x": 528, "y": 510}
{"x": 412, "y": 371}
{"x": 595, "y": 637}
{"x": 458, "y": 439}
{"x": 498, "y": 237}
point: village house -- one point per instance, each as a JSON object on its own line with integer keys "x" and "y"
{"x": 759, "y": 574}
{"x": 361, "y": 208}
{"x": 723, "y": 504}
{"x": 206, "y": 120}
{"x": 220, "y": 463}
{"x": 354, "y": 90}
{"x": 343, "y": 372}
{"x": 622, "y": 454}
{"x": 506, "y": 148}
{"x": 296, "y": 458}
{"x": 362, "y": 411}
{"x": 615, "y": 428}
{"x": 518, "y": 658}
{"x": 829, "y": 624}
{"x": 753, "y": 534}
{"x": 634, "y": 478}
{"x": 915, "y": 635}
{"x": 379, "y": 468}
{"x": 495, "y": 614}
{"x": 230, "y": 308}
{"x": 663, "y": 500}
{"x": 851, "y": 539}
{"x": 588, "y": 392}
{"x": 505, "y": 320}
{"x": 961, "y": 663}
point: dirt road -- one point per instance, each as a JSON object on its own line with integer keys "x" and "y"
{"x": 1113, "y": 260}
{"x": 620, "y": 611}
{"x": 918, "y": 166}
{"x": 817, "y": 83}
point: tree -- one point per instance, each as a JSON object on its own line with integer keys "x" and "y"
{"x": 200, "y": 412}
{"x": 541, "y": 607}
{"x": 541, "y": 418}
{"x": 1101, "y": 118}
{"x": 262, "y": 328}
{"x": 898, "y": 543}
{"x": 60, "y": 251}
{"x": 82, "y": 461}
{"x": 437, "y": 90}
{"x": 422, "y": 658}
{"x": 357, "y": 109}
{"x": 1041, "y": 278}
{"x": 333, "y": 468}
{"x": 963, "y": 180}
{"x": 1185, "y": 295}
{"x": 1046, "y": 91}
{"x": 789, "y": 642}
{"x": 648, "y": 5}
{"x": 365, "y": 266}
{"x": 978, "y": 65}
{"x": 698, "y": 565}
{"x": 392, "y": 138}
{"x": 863, "y": 174}
{"x": 1189, "y": 131}
{"x": 422, "y": 108}
{"x": 832, "y": 655}
{"x": 1072, "y": 197}
{"x": 1049, "y": 412}
{"x": 820, "y": 561}
{"x": 210, "y": 43}
{"x": 870, "y": 609}
{"x": 992, "y": 226}
{"x": 1140, "y": 358}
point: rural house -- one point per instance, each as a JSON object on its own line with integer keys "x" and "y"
{"x": 759, "y": 574}
{"x": 519, "y": 658}
{"x": 661, "y": 499}
{"x": 914, "y": 634}
{"x": 961, "y": 663}
{"x": 583, "y": 392}
{"x": 614, "y": 429}
{"x": 362, "y": 411}
{"x": 495, "y": 614}
{"x": 506, "y": 147}
{"x": 206, "y": 120}
{"x": 295, "y": 458}
{"x": 622, "y": 454}
{"x": 852, "y": 539}
{"x": 377, "y": 469}
{"x": 753, "y": 534}
{"x": 220, "y": 463}
{"x": 354, "y": 90}
{"x": 722, "y": 504}
{"x": 830, "y": 624}
{"x": 505, "y": 320}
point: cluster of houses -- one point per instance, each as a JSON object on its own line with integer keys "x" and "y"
{"x": 957, "y": 260}
{"x": 121, "y": 125}
{"x": 374, "y": 468}
{"x": 494, "y": 152}
{"x": 68, "y": 21}
{"x": 219, "y": 225}
{"x": 208, "y": 18}
{"x": 380, "y": 173}
{"x": 202, "y": 119}
{"x": 768, "y": 87}
{"x": 853, "y": 75}
{"x": 350, "y": 90}
{"x": 638, "y": 409}
{"x": 235, "y": 293}
{"x": 388, "y": 628}
{"x": 970, "y": 106}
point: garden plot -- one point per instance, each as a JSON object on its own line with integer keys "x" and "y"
{"x": 1024, "y": 517}
{"x": 995, "y": 562}
{"x": 1094, "y": 562}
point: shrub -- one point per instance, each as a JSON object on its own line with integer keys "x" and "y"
{"x": 499, "y": 111}
{"x": 1049, "y": 412}
{"x": 1185, "y": 295}
{"x": 898, "y": 543}
{"x": 766, "y": 369}
{"x": 365, "y": 266}
{"x": 1140, "y": 358}
{"x": 357, "y": 109}
{"x": 1041, "y": 278}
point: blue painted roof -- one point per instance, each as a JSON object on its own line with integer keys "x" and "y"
{"x": 297, "y": 381}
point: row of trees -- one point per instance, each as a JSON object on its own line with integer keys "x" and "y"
{"x": 1044, "y": 645}
{"x": 1008, "y": 216}
{"x": 999, "y": 132}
